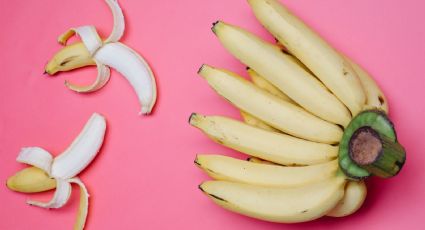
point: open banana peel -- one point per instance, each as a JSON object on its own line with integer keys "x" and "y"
{"x": 92, "y": 50}
{"x": 47, "y": 172}
{"x": 315, "y": 125}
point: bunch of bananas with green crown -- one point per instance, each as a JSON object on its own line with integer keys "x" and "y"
{"x": 315, "y": 125}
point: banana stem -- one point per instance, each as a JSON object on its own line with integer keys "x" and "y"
{"x": 376, "y": 153}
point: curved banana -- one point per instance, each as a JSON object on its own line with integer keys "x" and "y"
{"x": 70, "y": 57}
{"x": 324, "y": 61}
{"x": 135, "y": 69}
{"x": 31, "y": 180}
{"x": 375, "y": 98}
{"x": 251, "y": 120}
{"x": 82, "y": 150}
{"x": 262, "y": 83}
{"x": 60, "y": 172}
{"x": 261, "y": 161}
{"x": 283, "y": 205}
{"x": 105, "y": 53}
{"x": 230, "y": 169}
{"x": 280, "y": 70}
{"x": 355, "y": 194}
{"x": 280, "y": 114}
{"x": 272, "y": 146}
{"x": 267, "y": 86}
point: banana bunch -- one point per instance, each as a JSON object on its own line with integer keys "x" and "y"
{"x": 105, "y": 53}
{"x": 315, "y": 125}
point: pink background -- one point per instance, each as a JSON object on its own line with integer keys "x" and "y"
{"x": 144, "y": 176}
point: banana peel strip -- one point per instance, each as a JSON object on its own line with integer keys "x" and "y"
{"x": 88, "y": 35}
{"x": 37, "y": 157}
{"x": 60, "y": 198}
{"x": 119, "y": 22}
{"x": 103, "y": 75}
{"x": 92, "y": 42}
{"x": 84, "y": 204}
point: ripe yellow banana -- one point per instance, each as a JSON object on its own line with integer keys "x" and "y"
{"x": 283, "y": 205}
{"x": 260, "y": 161}
{"x": 262, "y": 83}
{"x": 272, "y": 146}
{"x": 70, "y": 57}
{"x": 324, "y": 61}
{"x": 375, "y": 98}
{"x": 31, "y": 180}
{"x": 355, "y": 194}
{"x": 280, "y": 70}
{"x": 278, "y": 113}
{"x": 267, "y": 86}
{"x": 230, "y": 169}
{"x": 251, "y": 120}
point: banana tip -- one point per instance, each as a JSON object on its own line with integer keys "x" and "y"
{"x": 200, "y": 69}
{"x": 192, "y": 116}
{"x": 200, "y": 187}
{"x": 214, "y": 25}
{"x": 196, "y": 161}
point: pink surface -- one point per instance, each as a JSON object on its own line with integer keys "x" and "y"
{"x": 144, "y": 177}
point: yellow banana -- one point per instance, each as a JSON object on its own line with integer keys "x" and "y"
{"x": 272, "y": 146}
{"x": 324, "y": 61}
{"x": 251, "y": 120}
{"x": 30, "y": 180}
{"x": 230, "y": 169}
{"x": 354, "y": 196}
{"x": 375, "y": 98}
{"x": 262, "y": 83}
{"x": 68, "y": 58}
{"x": 269, "y": 61}
{"x": 283, "y": 205}
{"x": 278, "y": 113}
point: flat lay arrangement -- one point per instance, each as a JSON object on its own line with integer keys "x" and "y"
{"x": 254, "y": 114}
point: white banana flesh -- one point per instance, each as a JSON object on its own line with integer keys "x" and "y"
{"x": 59, "y": 172}
{"x": 272, "y": 146}
{"x": 324, "y": 61}
{"x": 283, "y": 205}
{"x": 136, "y": 70}
{"x": 280, "y": 70}
{"x": 82, "y": 150}
{"x": 105, "y": 54}
{"x": 230, "y": 169}
{"x": 279, "y": 114}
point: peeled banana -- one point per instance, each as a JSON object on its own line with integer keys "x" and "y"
{"x": 104, "y": 54}
{"x": 59, "y": 173}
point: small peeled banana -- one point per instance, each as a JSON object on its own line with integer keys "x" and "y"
{"x": 48, "y": 172}
{"x": 104, "y": 54}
